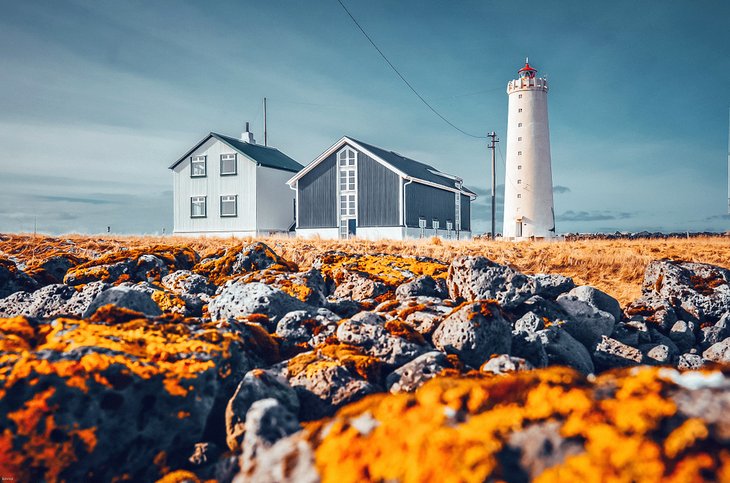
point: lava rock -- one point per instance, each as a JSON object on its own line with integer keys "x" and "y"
{"x": 415, "y": 373}
{"x": 610, "y": 354}
{"x": 587, "y": 323}
{"x": 358, "y": 286}
{"x": 690, "y": 362}
{"x": 310, "y": 327}
{"x": 552, "y": 285}
{"x": 267, "y": 421}
{"x": 562, "y": 349}
{"x": 530, "y": 346}
{"x": 185, "y": 282}
{"x": 12, "y": 279}
{"x": 256, "y": 385}
{"x": 237, "y": 299}
{"x": 474, "y": 332}
{"x": 715, "y": 333}
{"x": 289, "y": 460}
{"x": 478, "y": 278}
{"x": 505, "y": 363}
{"x": 530, "y": 322}
{"x": 659, "y": 354}
{"x": 719, "y": 352}
{"x": 682, "y": 334}
{"x": 598, "y": 299}
{"x": 423, "y": 286}
{"x": 124, "y": 297}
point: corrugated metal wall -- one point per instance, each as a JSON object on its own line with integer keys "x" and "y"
{"x": 318, "y": 196}
{"x": 428, "y": 202}
{"x": 378, "y": 189}
{"x": 465, "y": 213}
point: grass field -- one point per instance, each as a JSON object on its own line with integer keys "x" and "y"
{"x": 614, "y": 266}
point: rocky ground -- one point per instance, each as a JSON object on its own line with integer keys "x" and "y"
{"x": 155, "y": 363}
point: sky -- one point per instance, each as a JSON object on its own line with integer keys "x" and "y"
{"x": 98, "y": 98}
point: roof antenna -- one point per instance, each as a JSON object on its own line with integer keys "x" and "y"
{"x": 527, "y": 60}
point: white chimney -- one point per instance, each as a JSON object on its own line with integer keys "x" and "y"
{"x": 247, "y": 136}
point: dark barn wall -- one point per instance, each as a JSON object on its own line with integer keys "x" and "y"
{"x": 465, "y": 213}
{"x": 430, "y": 203}
{"x": 377, "y": 193}
{"x": 318, "y": 196}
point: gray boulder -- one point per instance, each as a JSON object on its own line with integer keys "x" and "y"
{"x": 551, "y": 285}
{"x": 690, "y": 362}
{"x": 682, "y": 334}
{"x": 124, "y": 297}
{"x": 474, "y": 332}
{"x": 610, "y": 354}
{"x": 256, "y": 385}
{"x": 366, "y": 330}
{"x": 12, "y": 279}
{"x": 423, "y": 286}
{"x": 309, "y": 327}
{"x": 658, "y": 354}
{"x": 562, "y": 349}
{"x": 414, "y": 374}
{"x": 598, "y": 299}
{"x": 587, "y": 323}
{"x": 238, "y": 299}
{"x": 715, "y": 333}
{"x": 719, "y": 352}
{"x": 505, "y": 363}
{"x": 358, "y": 286}
{"x": 267, "y": 421}
{"x": 478, "y": 278}
{"x": 530, "y": 346}
{"x": 289, "y": 460}
{"x": 530, "y": 322}
{"x": 185, "y": 282}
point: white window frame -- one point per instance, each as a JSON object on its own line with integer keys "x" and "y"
{"x": 229, "y": 157}
{"x": 198, "y": 199}
{"x": 198, "y": 159}
{"x": 229, "y": 199}
{"x": 435, "y": 224}
{"x": 347, "y": 198}
{"x": 519, "y": 124}
{"x": 457, "y": 211}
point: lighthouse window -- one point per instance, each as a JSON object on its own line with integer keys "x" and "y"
{"x": 519, "y": 110}
{"x": 519, "y": 153}
{"x": 519, "y": 166}
{"x": 519, "y": 124}
{"x": 519, "y": 138}
{"x": 519, "y": 96}
{"x": 519, "y": 195}
{"x": 519, "y": 181}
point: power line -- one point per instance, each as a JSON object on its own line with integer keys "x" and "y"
{"x": 403, "y": 78}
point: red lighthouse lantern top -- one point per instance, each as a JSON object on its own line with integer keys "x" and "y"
{"x": 527, "y": 71}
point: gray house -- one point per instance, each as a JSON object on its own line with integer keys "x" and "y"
{"x": 224, "y": 186}
{"x": 357, "y": 189}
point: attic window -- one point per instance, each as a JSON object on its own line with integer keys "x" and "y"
{"x": 228, "y": 164}
{"x": 229, "y": 205}
{"x": 198, "y": 207}
{"x": 458, "y": 185}
{"x": 198, "y": 166}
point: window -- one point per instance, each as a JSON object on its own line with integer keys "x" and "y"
{"x": 228, "y": 164}
{"x": 519, "y": 110}
{"x": 519, "y": 124}
{"x": 519, "y": 166}
{"x": 198, "y": 166}
{"x": 519, "y": 138}
{"x": 347, "y": 182}
{"x": 229, "y": 205}
{"x": 421, "y": 222}
{"x": 198, "y": 207}
{"x": 519, "y": 181}
{"x": 519, "y": 153}
{"x": 519, "y": 195}
{"x": 519, "y": 96}
{"x": 435, "y": 224}
{"x": 449, "y": 225}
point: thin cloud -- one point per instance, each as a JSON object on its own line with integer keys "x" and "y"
{"x": 74, "y": 199}
{"x": 559, "y": 189}
{"x": 571, "y": 215}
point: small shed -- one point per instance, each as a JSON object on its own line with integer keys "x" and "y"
{"x": 358, "y": 189}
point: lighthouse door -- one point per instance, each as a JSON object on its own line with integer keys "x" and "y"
{"x": 518, "y": 229}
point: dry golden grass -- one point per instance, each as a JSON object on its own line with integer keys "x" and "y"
{"x": 614, "y": 266}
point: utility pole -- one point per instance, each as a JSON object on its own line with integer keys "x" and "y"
{"x": 492, "y": 145}
{"x": 266, "y": 139}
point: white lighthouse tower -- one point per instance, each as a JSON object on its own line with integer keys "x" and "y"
{"x": 528, "y": 186}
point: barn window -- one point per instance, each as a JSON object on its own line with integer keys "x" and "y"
{"x": 229, "y": 205}
{"x": 228, "y": 164}
{"x": 198, "y": 166}
{"x": 198, "y": 207}
{"x": 435, "y": 224}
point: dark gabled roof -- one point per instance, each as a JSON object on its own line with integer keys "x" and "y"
{"x": 262, "y": 155}
{"x": 412, "y": 168}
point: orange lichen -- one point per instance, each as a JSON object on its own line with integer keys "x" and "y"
{"x": 348, "y": 356}
{"x": 218, "y": 266}
{"x": 168, "y": 301}
{"x": 399, "y": 329}
{"x": 685, "y": 436}
{"x": 392, "y": 270}
{"x": 180, "y": 476}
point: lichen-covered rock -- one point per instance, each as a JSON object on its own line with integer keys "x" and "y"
{"x": 610, "y": 353}
{"x": 230, "y": 262}
{"x": 478, "y": 278}
{"x": 690, "y": 362}
{"x": 659, "y": 354}
{"x": 712, "y": 334}
{"x": 474, "y": 332}
{"x": 358, "y": 286}
{"x": 309, "y": 287}
{"x": 13, "y": 279}
{"x": 137, "y": 265}
{"x": 536, "y": 448}
{"x": 415, "y": 373}
{"x": 562, "y": 349}
{"x": 587, "y": 323}
{"x": 719, "y": 352}
{"x": 267, "y": 421}
{"x": 289, "y": 460}
{"x": 49, "y": 301}
{"x": 391, "y": 342}
{"x": 51, "y": 270}
{"x": 505, "y": 363}
{"x": 83, "y": 400}
{"x": 423, "y": 314}
{"x": 256, "y": 385}
{"x": 551, "y": 285}
{"x": 423, "y": 286}
{"x": 598, "y": 299}
{"x": 126, "y": 298}
{"x": 185, "y": 282}
{"x": 330, "y": 377}
{"x": 237, "y": 299}
{"x": 699, "y": 288}
{"x": 306, "y": 328}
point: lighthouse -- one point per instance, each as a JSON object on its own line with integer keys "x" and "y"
{"x": 528, "y": 186}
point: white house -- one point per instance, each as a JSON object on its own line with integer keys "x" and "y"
{"x": 225, "y": 186}
{"x": 357, "y": 189}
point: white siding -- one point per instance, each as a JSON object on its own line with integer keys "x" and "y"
{"x": 274, "y": 200}
{"x": 213, "y": 186}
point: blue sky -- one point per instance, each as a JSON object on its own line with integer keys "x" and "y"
{"x": 97, "y": 98}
